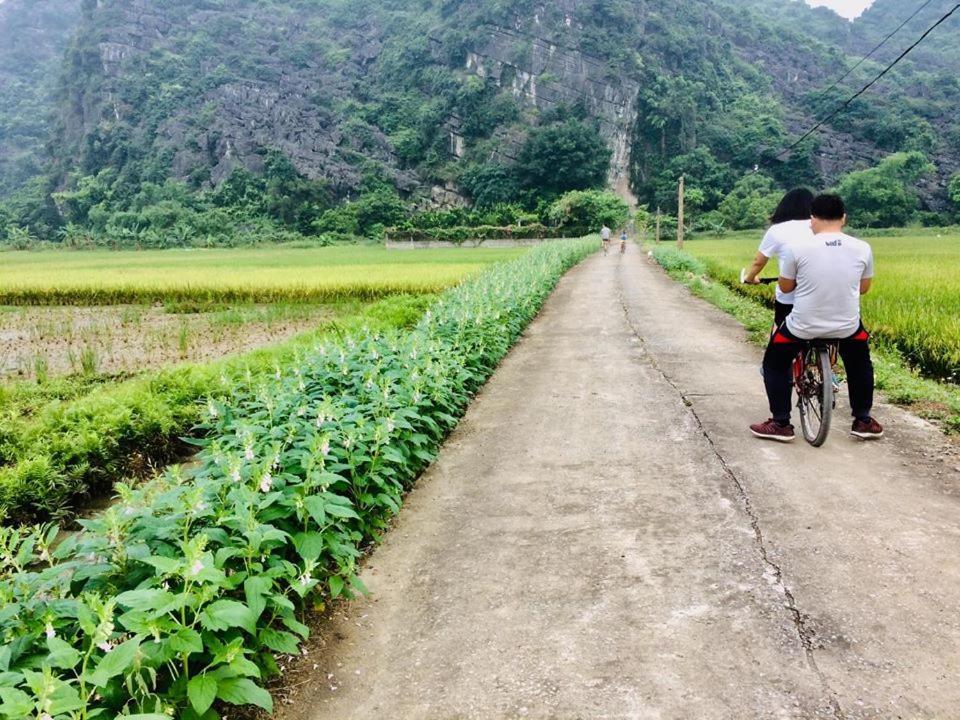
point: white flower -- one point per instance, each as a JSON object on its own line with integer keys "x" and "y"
{"x": 248, "y": 452}
{"x": 346, "y": 442}
{"x": 200, "y": 506}
{"x": 266, "y": 483}
{"x": 305, "y": 579}
{"x": 325, "y": 448}
{"x": 105, "y": 646}
{"x": 390, "y": 425}
{"x": 301, "y": 411}
{"x": 46, "y": 716}
{"x": 235, "y": 475}
{"x": 196, "y": 568}
{"x": 51, "y": 633}
{"x": 212, "y": 409}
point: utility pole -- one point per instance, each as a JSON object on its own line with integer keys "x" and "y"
{"x": 680, "y": 216}
{"x": 657, "y": 236}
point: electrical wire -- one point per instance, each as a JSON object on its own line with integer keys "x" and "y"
{"x": 846, "y": 103}
{"x": 870, "y": 54}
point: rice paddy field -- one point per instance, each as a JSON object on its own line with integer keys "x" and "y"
{"x": 914, "y": 304}
{"x": 105, "y": 356}
{"x": 262, "y": 275}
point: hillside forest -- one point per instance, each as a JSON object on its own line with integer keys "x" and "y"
{"x": 139, "y": 123}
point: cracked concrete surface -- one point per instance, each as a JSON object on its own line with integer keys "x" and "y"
{"x": 600, "y": 538}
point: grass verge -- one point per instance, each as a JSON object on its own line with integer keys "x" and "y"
{"x": 932, "y": 400}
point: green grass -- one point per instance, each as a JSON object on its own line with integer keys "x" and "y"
{"x": 230, "y": 276}
{"x": 915, "y": 302}
{"x": 70, "y": 438}
{"x": 900, "y": 383}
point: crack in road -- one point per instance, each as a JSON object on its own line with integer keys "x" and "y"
{"x": 804, "y": 633}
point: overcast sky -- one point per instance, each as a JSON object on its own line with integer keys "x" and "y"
{"x": 847, "y": 8}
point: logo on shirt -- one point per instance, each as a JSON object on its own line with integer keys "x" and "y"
{"x": 834, "y": 243}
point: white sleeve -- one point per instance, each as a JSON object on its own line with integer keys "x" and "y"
{"x": 868, "y": 267}
{"x": 788, "y": 264}
{"x": 770, "y": 246}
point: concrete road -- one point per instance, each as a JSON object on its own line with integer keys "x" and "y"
{"x": 601, "y": 538}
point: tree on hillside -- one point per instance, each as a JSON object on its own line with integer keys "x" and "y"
{"x": 953, "y": 191}
{"x": 885, "y": 195}
{"x": 564, "y": 156}
{"x": 750, "y": 203}
{"x": 588, "y": 209}
{"x": 490, "y": 185}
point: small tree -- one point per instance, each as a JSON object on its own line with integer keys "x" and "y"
{"x": 750, "y": 203}
{"x": 885, "y": 195}
{"x": 588, "y": 210}
{"x": 563, "y": 156}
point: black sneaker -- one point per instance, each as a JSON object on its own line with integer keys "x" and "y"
{"x": 867, "y": 429}
{"x": 772, "y": 430}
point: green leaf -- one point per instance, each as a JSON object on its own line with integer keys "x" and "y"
{"x": 280, "y": 641}
{"x": 255, "y": 589}
{"x": 16, "y": 703}
{"x": 166, "y": 566}
{"x": 341, "y": 511}
{"x": 226, "y": 614}
{"x": 336, "y": 585}
{"x": 316, "y": 505}
{"x": 241, "y": 691}
{"x": 62, "y": 655}
{"x": 145, "y": 716}
{"x": 309, "y": 546}
{"x": 115, "y": 662}
{"x": 202, "y": 691}
{"x": 145, "y": 599}
{"x": 186, "y": 640}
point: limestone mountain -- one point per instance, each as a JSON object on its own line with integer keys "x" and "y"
{"x": 436, "y": 98}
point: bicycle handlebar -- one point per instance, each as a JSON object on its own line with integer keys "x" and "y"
{"x": 762, "y": 281}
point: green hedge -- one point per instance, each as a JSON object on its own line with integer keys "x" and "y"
{"x": 179, "y": 598}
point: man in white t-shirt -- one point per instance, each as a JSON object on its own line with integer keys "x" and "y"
{"x": 827, "y": 274}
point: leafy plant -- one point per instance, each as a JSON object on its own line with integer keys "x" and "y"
{"x": 180, "y": 597}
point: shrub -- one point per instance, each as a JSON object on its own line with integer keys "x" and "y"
{"x": 185, "y": 591}
{"x": 588, "y": 210}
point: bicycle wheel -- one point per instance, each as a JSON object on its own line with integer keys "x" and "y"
{"x": 815, "y": 396}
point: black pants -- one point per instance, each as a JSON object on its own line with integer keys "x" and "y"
{"x": 780, "y": 312}
{"x": 778, "y": 376}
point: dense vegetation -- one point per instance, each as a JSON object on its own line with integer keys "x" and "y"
{"x": 186, "y": 592}
{"x": 228, "y": 123}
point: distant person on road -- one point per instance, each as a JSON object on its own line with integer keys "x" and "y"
{"x": 790, "y": 223}
{"x": 623, "y": 241}
{"x": 605, "y": 236}
{"x": 827, "y": 273}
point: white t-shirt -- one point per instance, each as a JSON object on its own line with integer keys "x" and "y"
{"x": 605, "y": 233}
{"x": 777, "y": 239}
{"x": 828, "y": 269}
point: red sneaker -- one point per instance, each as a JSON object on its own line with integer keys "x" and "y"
{"x": 867, "y": 429}
{"x": 772, "y": 430}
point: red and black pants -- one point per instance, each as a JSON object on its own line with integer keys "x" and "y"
{"x": 778, "y": 375}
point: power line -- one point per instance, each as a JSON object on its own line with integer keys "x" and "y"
{"x": 845, "y": 104}
{"x": 870, "y": 54}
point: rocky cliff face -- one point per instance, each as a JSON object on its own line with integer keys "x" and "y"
{"x": 221, "y": 84}
{"x": 34, "y": 35}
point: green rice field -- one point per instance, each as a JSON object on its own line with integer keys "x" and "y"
{"x": 914, "y": 303}
{"x": 245, "y": 275}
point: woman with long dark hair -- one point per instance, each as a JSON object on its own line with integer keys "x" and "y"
{"x": 790, "y": 222}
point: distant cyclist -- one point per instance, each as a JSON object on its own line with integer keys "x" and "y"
{"x": 605, "y": 236}
{"x": 790, "y": 223}
{"x": 829, "y": 272}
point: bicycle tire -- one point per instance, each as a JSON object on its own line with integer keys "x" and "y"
{"x": 818, "y": 399}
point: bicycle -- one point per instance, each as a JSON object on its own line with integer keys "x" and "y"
{"x": 816, "y": 396}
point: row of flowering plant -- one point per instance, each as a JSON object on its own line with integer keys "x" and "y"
{"x": 177, "y": 601}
